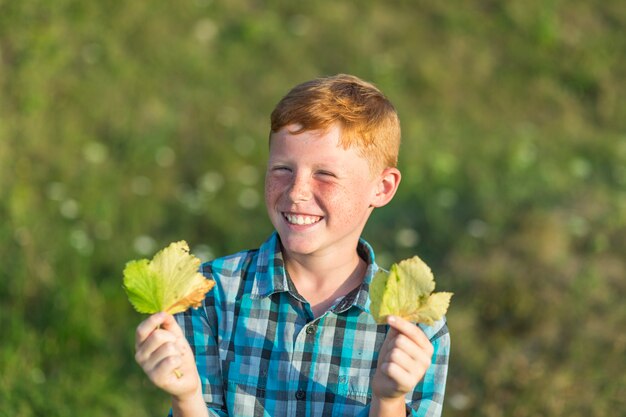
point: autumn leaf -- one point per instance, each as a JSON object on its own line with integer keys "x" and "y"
{"x": 407, "y": 291}
{"x": 170, "y": 282}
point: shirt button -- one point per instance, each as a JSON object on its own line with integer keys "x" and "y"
{"x": 311, "y": 329}
{"x": 300, "y": 394}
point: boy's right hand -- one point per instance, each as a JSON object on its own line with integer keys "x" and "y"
{"x": 166, "y": 357}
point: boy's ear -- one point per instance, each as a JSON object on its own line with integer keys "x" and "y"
{"x": 388, "y": 184}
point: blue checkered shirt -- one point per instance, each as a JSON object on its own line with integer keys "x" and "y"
{"x": 261, "y": 352}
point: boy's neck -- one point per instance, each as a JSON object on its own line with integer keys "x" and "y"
{"x": 321, "y": 280}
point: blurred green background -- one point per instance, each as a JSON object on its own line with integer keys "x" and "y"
{"x": 127, "y": 125}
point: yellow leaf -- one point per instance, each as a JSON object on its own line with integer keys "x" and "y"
{"x": 170, "y": 282}
{"x": 407, "y": 291}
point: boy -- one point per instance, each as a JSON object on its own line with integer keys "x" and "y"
{"x": 287, "y": 331}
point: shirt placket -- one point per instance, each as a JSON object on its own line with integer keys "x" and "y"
{"x": 301, "y": 361}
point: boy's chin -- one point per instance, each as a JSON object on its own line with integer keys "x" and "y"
{"x": 297, "y": 245}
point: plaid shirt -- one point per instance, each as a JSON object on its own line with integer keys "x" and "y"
{"x": 261, "y": 352}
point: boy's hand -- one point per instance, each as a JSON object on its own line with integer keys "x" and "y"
{"x": 165, "y": 356}
{"x": 404, "y": 358}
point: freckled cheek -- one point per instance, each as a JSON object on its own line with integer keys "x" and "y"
{"x": 273, "y": 189}
{"x": 343, "y": 206}
{"x": 268, "y": 192}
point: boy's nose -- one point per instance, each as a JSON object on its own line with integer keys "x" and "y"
{"x": 300, "y": 189}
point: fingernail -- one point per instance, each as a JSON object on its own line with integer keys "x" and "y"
{"x": 391, "y": 319}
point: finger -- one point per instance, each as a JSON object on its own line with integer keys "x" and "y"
{"x": 400, "y": 357}
{"x": 147, "y": 326}
{"x": 403, "y": 380}
{"x": 402, "y": 369}
{"x": 165, "y": 351}
{"x": 169, "y": 323}
{"x": 157, "y": 338}
{"x": 410, "y": 330}
{"x": 165, "y": 369}
{"x": 415, "y": 351}
{"x": 415, "y": 364}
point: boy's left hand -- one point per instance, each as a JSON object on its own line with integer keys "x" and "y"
{"x": 403, "y": 360}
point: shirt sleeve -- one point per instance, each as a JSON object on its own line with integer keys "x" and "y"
{"x": 200, "y": 329}
{"x": 427, "y": 398}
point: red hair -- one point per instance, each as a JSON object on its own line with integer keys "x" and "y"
{"x": 367, "y": 119}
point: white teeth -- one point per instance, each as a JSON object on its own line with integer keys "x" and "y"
{"x": 300, "y": 220}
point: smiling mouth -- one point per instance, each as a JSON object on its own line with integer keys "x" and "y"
{"x": 301, "y": 219}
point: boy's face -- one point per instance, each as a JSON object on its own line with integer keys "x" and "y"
{"x": 318, "y": 195}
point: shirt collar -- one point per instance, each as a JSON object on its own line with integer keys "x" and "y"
{"x": 271, "y": 276}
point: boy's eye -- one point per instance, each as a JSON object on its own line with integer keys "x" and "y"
{"x": 326, "y": 173}
{"x": 280, "y": 168}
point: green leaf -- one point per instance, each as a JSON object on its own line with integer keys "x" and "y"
{"x": 169, "y": 282}
{"x": 407, "y": 291}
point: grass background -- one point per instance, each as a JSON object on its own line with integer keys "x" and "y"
{"x": 127, "y": 125}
